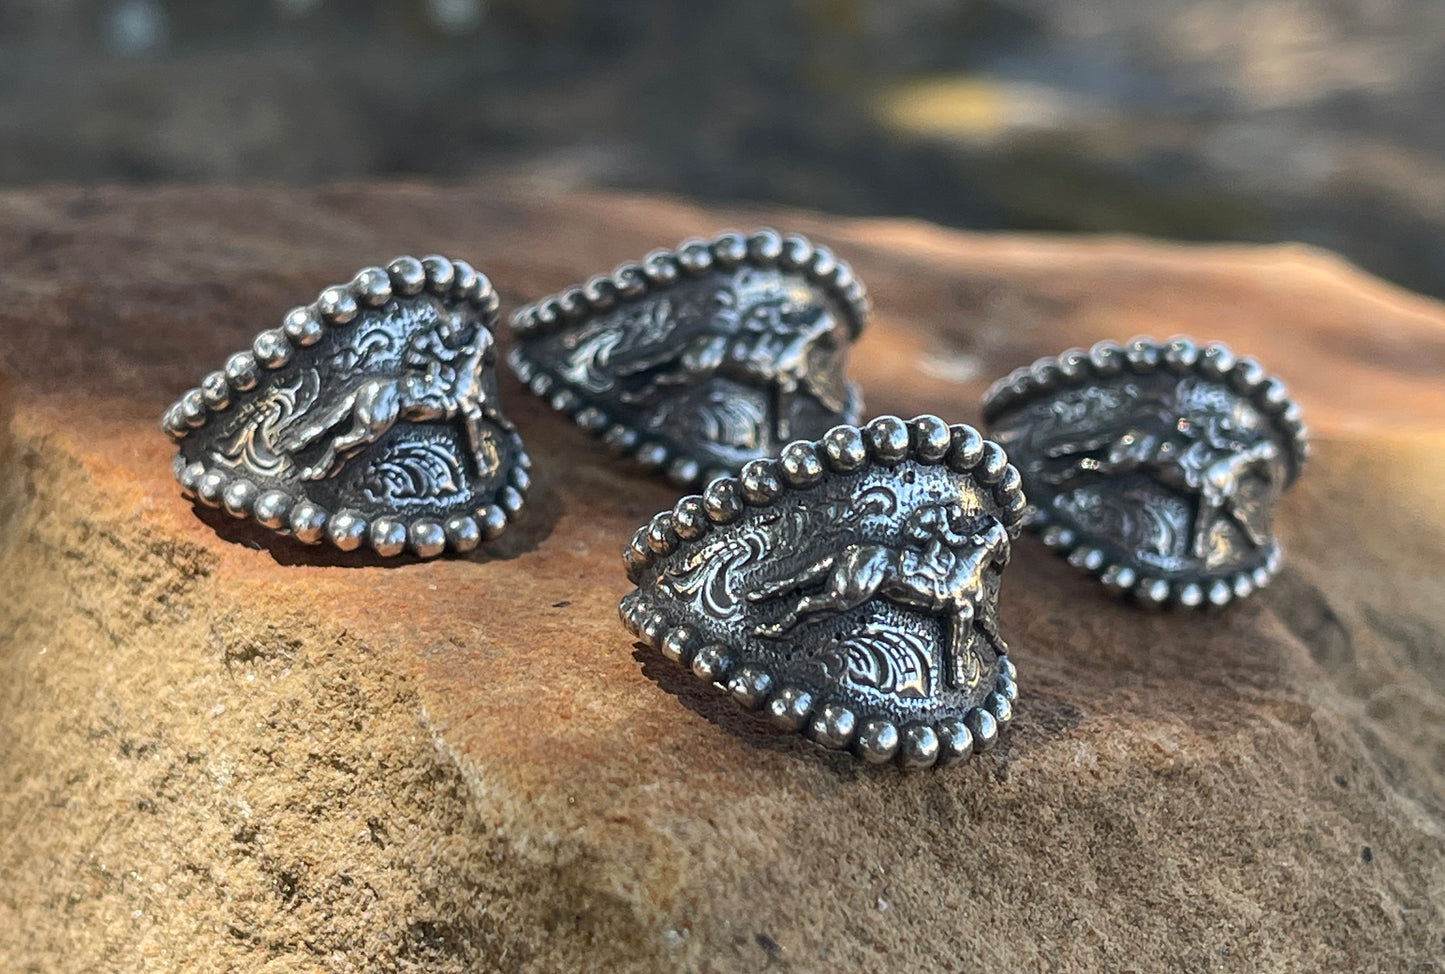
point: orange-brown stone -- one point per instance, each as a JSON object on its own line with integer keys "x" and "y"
{"x": 219, "y": 751}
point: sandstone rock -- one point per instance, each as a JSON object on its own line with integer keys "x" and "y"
{"x": 223, "y": 753}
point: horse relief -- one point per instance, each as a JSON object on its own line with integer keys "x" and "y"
{"x": 440, "y": 379}
{"x": 1198, "y": 442}
{"x": 938, "y": 569}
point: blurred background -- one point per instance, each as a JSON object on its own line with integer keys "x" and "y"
{"x": 1260, "y": 120}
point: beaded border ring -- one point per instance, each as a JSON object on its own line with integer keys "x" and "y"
{"x": 848, "y": 590}
{"x": 1197, "y": 443}
{"x": 695, "y": 360}
{"x": 368, "y": 418}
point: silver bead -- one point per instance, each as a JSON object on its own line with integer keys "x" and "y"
{"x": 955, "y": 741}
{"x": 800, "y": 465}
{"x": 750, "y": 687}
{"x": 387, "y": 536}
{"x": 408, "y": 276}
{"x": 965, "y": 449}
{"x": 844, "y": 449}
{"x": 272, "y": 509}
{"x": 372, "y": 287}
{"x": 346, "y": 530}
{"x": 789, "y": 708}
{"x": 336, "y": 306}
{"x": 215, "y": 392}
{"x": 712, "y": 664}
{"x": 238, "y": 497}
{"x": 730, "y": 250}
{"x": 689, "y": 520}
{"x": 984, "y": 728}
{"x": 463, "y": 532}
{"x": 683, "y": 471}
{"x": 241, "y": 371}
{"x": 887, "y": 439}
{"x": 759, "y": 482}
{"x": 931, "y": 438}
{"x": 427, "y": 538}
{"x": 210, "y": 487}
{"x": 833, "y": 726}
{"x": 722, "y": 501}
{"x": 493, "y": 521}
{"x": 1000, "y": 707}
{"x": 271, "y": 348}
{"x": 302, "y": 326}
{"x": 308, "y": 522}
{"x": 694, "y": 257}
{"x": 877, "y": 741}
{"x": 920, "y": 746}
{"x": 678, "y": 644}
{"x": 440, "y": 274}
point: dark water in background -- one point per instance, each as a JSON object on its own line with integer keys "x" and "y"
{"x": 1314, "y": 120}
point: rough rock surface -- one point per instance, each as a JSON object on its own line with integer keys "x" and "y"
{"x": 223, "y": 753}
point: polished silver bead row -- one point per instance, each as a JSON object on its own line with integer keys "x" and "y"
{"x": 1181, "y": 356}
{"x": 661, "y": 269}
{"x": 887, "y": 441}
{"x": 876, "y": 740}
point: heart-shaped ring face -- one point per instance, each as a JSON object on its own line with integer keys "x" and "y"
{"x": 697, "y": 361}
{"x": 849, "y": 588}
{"x": 371, "y": 417}
{"x": 1156, "y": 466}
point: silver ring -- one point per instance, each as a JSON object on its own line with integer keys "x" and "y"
{"x": 848, "y": 589}
{"x": 368, "y": 418}
{"x": 697, "y": 360}
{"x": 1154, "y": 466}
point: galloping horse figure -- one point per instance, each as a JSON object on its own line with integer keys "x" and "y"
{"x": 441, "y": 380}
{"x": 764, "y": 332}
{"x": 939, "y": 570}
{"x": 1201, "y": 448}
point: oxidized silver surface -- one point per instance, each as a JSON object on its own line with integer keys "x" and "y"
{"x": 698, "y": 360}
{"x": 1155, "y": 466}
{"x": 370, "y": 417}
{"x": 848, "y": 589}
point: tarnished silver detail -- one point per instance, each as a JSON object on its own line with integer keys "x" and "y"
{"x": 857, "y": 603}
{"x": 1155, "y": 466}
{"x": 370, "y": 417}
{"x": 698, "y": 360}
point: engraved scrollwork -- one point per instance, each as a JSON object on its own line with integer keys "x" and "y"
{"x": 254, "y": 444}
{"x": 414, "y": 471}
